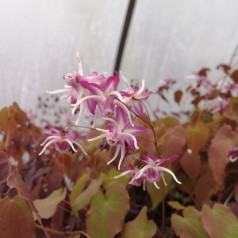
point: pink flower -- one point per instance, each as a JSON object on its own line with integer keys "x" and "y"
{"x": 151, "y": 171}
{"x": 75, "y": 88}
{"x": 101, "y": 98}
{"x": 63, "y": 140}
{"x": 233, "y": 154}
{"x": 132, "y": 171}
{"x": 133, "y": 94}
{"x": 121, "y": 134}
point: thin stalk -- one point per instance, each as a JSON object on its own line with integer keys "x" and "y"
{"x": 148, "y": 124}
{"x": 61, "y": 233}
{"x": 163, "y": 208}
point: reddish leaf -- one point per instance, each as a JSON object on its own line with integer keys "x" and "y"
{"x": 4, "y": 168}
{"x": 219, "y": 221}
{"x": 203, "y": 72}
{"x": 236, "y": 192}
{"x": 191, "y": 165}
{"x": 140, "y": 227}
{"x": 197, "y": 100}
{"x": 14, "y": 181}
{"x": 178, "y": 96}
{"x": 197, "y": 136}
{"x": 234, "y": 75}
{"x": 206, "y": 186}
{"x": 16, "y": 218}
{"x": 11, "y": 119}
{"x": 224, "y": 140}
{"x": 231, "y": 109}
{"x": 172, "y": 142}
{"x": 226, "y": 68}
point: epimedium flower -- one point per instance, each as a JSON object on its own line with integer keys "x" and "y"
{"x": 121, "y": 134}
{"x": 132, "y": 171}
{"x": 134, "y": 96}
{"x": 74, "y": 89}
{"x": 233, "y": 154}
{"x": 62, "y": 140}
{"x": 151, "y": 171}
{"x": 136, "y": 93}
{"x": 101, "y": 100}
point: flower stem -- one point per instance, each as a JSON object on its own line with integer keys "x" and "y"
{"x": 61, "y": 233}
{"x": 163, "y": 208}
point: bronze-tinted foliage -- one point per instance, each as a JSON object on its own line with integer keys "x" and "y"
{"x": 16, "y": 219}
{"x": 72, "y": 195}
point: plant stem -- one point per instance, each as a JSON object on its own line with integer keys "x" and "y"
{"x": 61, "y": 233}
{"x": 149, "y": 124}
{"x": 163, "y": 208}
{"x": 229, "y": 197}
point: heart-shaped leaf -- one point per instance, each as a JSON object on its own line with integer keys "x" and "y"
{"x": 219, "y": 221}
{"x": 107, "y": 212}
{"x": 47, "y": 207}
{"x": 176, "y": 205}
{"x": 190, "y": 225}
{"x": 197, "y": 136}
{"x": 224, "y": 140}
{"x": 16, "y": 218}
{"x": 85, "y": 197}
{"x": 140, "y": 227}
{"x": 78, "y": 188}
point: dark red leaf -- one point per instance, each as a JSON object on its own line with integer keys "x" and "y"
{"x": 234, "y": 75}
{"x": 178, "y": 96}
{"x": 203, "y": 72}
{"x": 226, "y": 68}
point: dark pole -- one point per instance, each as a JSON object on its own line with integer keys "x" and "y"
{"x": 124, "y": 35}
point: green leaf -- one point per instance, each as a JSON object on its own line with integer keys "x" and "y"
{"x": 16, "y": 218}
{"x": 85, "y": 197}
{"x": 107, "y": 212}
{"x": 190, "y": 225}
{"x": 219, "y": 221}
{"x": 78, "y": 188}
{"x": 176, "y": 205}
{"x": 197, "y": 136}
{"x": 110, "y": 177}
{"x": 140, "y": 227}
{"x": 47, "y": 207}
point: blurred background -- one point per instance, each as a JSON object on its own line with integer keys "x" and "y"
{"x": 39, "y": 40}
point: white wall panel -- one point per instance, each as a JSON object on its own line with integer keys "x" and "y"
{"x": 175, "y": 38}
{"x": 39, "y": 40}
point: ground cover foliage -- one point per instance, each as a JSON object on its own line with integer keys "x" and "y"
{"x": 68, "y": 188}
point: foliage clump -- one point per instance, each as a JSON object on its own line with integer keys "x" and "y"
{"x": 126, "y": 174}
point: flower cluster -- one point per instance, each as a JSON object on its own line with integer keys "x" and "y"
{"x": 151, "y": 171}
{"x": 98, "y": 94}
{"x": 62, "y": 140}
